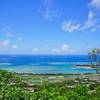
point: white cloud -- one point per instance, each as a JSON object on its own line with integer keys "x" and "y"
{"x": 36, "y": 49}
{"x": 6, "y": 28}
{"x": 86, "y": 45}
{"x": 56, "y": 50}
{"x": 95, "y": 4}
{"x": 70, "y": 26}
{"x": 91, "y": 20}
{"x": 94, "y": 29}
{"x": 63, "y": 48}
{"x": 66, "y": 48}
{"x": 90, "y": 15}
{"x": 49, "y": 3}
{"x": 5, "y": 43}
{"x": 15, "y": 47}
{"x": 49, "y": 14}
{"x": 19, "y": 39}
{"x": 9, "y": 34}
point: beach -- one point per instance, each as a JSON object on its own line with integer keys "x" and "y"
{"x": 88, "y": 67}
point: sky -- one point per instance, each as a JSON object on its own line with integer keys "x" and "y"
{"x": 55, "y": 27}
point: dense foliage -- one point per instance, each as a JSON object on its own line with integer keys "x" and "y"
{"x": 11, "y": 88}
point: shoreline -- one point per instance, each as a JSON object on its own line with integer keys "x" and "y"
{"x": 86, "y": 67}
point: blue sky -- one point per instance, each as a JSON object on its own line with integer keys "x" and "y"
{"x": 49, "y": 26}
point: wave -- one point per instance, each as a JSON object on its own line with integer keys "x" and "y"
{"x": 56, "y": 62}
{"x": 33, "y": 63}
{"x": 67, "y": 62}
{"x": 5, "y": 63}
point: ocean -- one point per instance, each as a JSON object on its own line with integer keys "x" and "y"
{"x": 44, "y": 63}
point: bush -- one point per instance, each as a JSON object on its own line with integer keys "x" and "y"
{"x": 92, "y": 86}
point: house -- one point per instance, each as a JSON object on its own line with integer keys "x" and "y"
{"x": 52, "y": 77}
{"x": 72, "y": 86}
{"x": 29, "y": 89}
{"x": 30, "y": 84}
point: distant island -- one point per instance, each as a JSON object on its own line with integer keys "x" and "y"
{"x": 87, "y": 66}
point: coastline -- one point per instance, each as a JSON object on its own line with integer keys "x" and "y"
{"x": 86, "y": 67}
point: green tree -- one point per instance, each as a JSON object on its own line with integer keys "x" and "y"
{"x": 94, "y": 57}
{"x": 7, "y": 90}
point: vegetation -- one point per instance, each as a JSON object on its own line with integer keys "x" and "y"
{"x": 12, "y": 88}
{"x": 94, "y": 57}
{"x": 7, "y": 90}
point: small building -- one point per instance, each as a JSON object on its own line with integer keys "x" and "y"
{"x": 25, "y": 81}
{"x": 29, "y": 89}
{"x": 72, "y": 86}
{"x": 30, "y": 84}
{"x": 76, "y": 81}
{"x": 52, "y": 77}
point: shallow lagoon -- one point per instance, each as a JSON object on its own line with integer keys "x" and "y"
{"x": 44, "y": 63}
{"x": 46, "y": 68}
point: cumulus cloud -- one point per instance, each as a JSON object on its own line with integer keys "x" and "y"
{"x": 91, "y": 20}
{"x": 95, "y": 4}
{"x": 56, "y": 50}
{"x": 5, "y": 43}
{"x": 9, "y": 34}
{"x": 15, "y": 47}
{"x": 35, "y": 49}
{"x": 64, "y": 48}
{"x": 70, "y": 26}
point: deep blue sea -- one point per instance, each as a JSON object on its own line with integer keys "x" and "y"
{"x": 44, "y": 63}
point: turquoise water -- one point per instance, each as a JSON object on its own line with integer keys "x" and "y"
{"x": 44, "y": 63}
